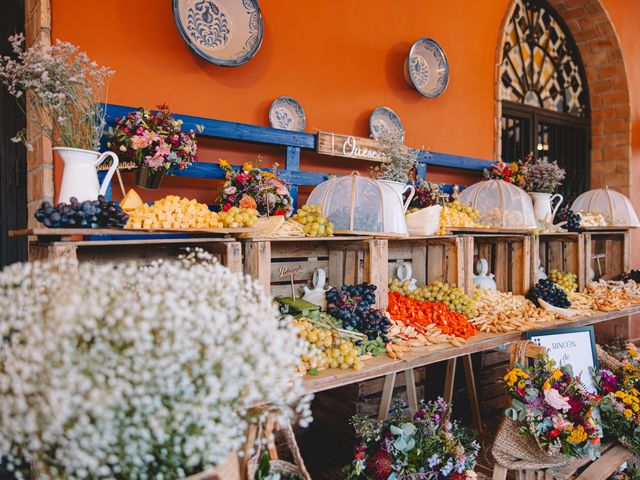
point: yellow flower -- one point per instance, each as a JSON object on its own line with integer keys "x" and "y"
{"x": 268, "y": 175}
{"x": 546, "y": 385}
{"x": 557, "y": 374}
{"x": 633, "y": 352}
{"x": 628, "y": 413}
{"x": 247, "y": 167}
{"x": 223, "y": 163}
{"x": 514, "y": 376}
{"x": 577, "y": 435}
{"x": 513, "y": 167}
{"x": 521, "y": 384}
{"x": 635, "y": 407}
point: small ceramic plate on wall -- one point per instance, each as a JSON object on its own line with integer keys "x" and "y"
{"x": 287, "y": 114}
{"x": 384, "y": 122}
{"x": 427, "y": 68}
{"x": 224, "y": 32}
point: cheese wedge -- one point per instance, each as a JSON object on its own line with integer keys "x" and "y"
{"x": 131, "y": 201}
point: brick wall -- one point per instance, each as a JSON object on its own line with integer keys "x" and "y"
{"x": 40, "y": 159}
{"x": 601, "y": 54}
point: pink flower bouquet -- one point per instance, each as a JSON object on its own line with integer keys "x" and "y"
{"x": 153, "y": 138}
{"x": 253, "y": 187}
{"x": 552, "y": 407}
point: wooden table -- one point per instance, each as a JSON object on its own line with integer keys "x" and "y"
{"x": 419, "y": 357}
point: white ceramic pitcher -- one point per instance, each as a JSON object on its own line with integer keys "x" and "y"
{"x": 401, "y": 188}
{"x": 80, "y": 177}
{"x": 542, "y": 208}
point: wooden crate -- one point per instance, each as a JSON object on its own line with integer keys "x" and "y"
{"x": 346, "y": 260}
{"x": 560, "y": 251}
{"x": 142, "y": 251}
{"x": 606, "y": 254}
{"x": 509, "y": 259}
{"x": 444, "y": 259}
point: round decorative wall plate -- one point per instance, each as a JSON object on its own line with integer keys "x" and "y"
{"x": 224, "y": 32}
{"x": 384, "y": 122}
{"x": 287, "y": 114}
{"x": 427, "y": 68}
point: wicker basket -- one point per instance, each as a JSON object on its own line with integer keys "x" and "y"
{"x": 265, "y": 435}
{"x": 515, "y": 451}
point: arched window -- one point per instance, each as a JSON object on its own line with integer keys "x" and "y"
{"x": 544, "y": 94}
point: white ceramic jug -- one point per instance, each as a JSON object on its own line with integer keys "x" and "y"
{"x": 542, "y": 208}
{"x": 80, "y": 177}
{"x": 395, "y": 206}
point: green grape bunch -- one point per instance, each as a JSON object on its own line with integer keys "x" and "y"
{"x": 451, "y": 295}
{"x": 400, "y": 286}
{"x": 313, "y": 222}
{"x": 567, "y": 281}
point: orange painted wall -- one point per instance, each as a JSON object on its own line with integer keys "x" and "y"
{"x": 340, "y": 59}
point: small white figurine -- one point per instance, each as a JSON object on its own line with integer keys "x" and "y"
{"x": 405, "y": 272}
{"x": 484, "y": 279}
{"x": 541, "y": 274}
{"x": 316, "y": 295}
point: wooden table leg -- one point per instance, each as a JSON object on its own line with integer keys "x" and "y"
{"x": 387, "y": 396}
{"x": 449, "y": 380}
{"x": 412, "y": 394}
{"x": 472, "y": 392}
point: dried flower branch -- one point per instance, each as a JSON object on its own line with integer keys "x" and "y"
{"x": 401, "y": 160}
{"x": 63, "y": 89}
{"x": 542, "y": 176}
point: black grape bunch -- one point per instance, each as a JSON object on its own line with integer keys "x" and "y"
{"x": 571, "y": 218}
{"x": 353, "y": 305}
{"x": 87, "y": 214}
{"x": 548, "y": 291}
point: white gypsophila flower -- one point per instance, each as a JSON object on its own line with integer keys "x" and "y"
{"x": 115, "y": 371}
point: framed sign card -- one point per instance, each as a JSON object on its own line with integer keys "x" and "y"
{"x": 571, "y": 346}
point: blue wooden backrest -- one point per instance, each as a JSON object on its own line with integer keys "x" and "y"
{"x": 293, "y": 141}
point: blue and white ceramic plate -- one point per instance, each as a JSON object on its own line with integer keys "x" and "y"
{"x": 287, "y": 114}
{"x": 384, "y": 122}
{"x": 427, "y": 68}
{"x": 224, "y": 32}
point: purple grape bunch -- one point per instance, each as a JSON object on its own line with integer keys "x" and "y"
{"x": 548, "y": 291}
{"x": 353, "y": 306}
{"x": 87, "y": 214}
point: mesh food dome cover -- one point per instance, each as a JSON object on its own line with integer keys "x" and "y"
{"x": 354, "y": 203}
{"x": 615, "y": 207}
{"x": 500, "y": 204}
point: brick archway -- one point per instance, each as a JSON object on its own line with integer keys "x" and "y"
{"x": 599, "y": 47}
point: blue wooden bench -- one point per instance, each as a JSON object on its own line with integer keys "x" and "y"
{"x": 293, "y": 142}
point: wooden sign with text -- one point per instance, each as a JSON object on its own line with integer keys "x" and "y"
{"x": 348, "y": 146}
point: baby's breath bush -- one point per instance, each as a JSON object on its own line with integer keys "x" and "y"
{"x": 113, "y": 371}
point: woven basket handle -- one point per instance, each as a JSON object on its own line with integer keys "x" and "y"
{"x": 270, "y": 425}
